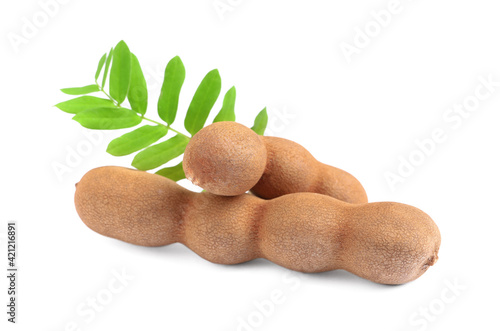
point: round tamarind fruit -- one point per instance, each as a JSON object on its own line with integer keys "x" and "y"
{"x": 227, "y": 158}
{"x": 385, "y": 242}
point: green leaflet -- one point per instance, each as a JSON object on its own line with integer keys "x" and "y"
{"x": 227, "y": 111}
{"x": 106, "y": 68}
{"x": 81, "y": 90}
{"x": 127, "y": 82}
{"x": 171, "y": 89}
{"x": 174, "y": 173}
{"x": 156, "y": 155}
{"x": 136, "y": 140}
{"x": 260, "y": 124}
{"x": 99, "y": 66}
{"x": 76, "y": 105}
{"x": 202, "y": 102}
{"x": 107, "y": 118}
{"x": 138, "y": 91}
{"x": 119, "y": 79}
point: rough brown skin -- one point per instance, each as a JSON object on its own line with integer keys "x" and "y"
{"x": 384, "y": 242}
{"x": 290, "y": 168}
{"x": 227, "y": 158}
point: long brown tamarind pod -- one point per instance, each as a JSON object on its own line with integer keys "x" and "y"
{"x": 385, "y": 242}
{"x": 227, "y": 158}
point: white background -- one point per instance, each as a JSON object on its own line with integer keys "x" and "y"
{"x": 362, "y": 116}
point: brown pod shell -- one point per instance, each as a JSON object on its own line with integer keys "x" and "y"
{"x": 385, "y": 242}
{"x": 227, "y": 158}
{"x": 291, "y": 168}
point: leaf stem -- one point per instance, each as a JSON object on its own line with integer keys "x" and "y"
{"x": 178, "y": 132}
{"x": 144, "y": 118}
{"x": 167, "y": 126}
{"x": 109, "y": 97}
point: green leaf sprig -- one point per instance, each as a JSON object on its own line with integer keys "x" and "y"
{"x": 127, "y": 83}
